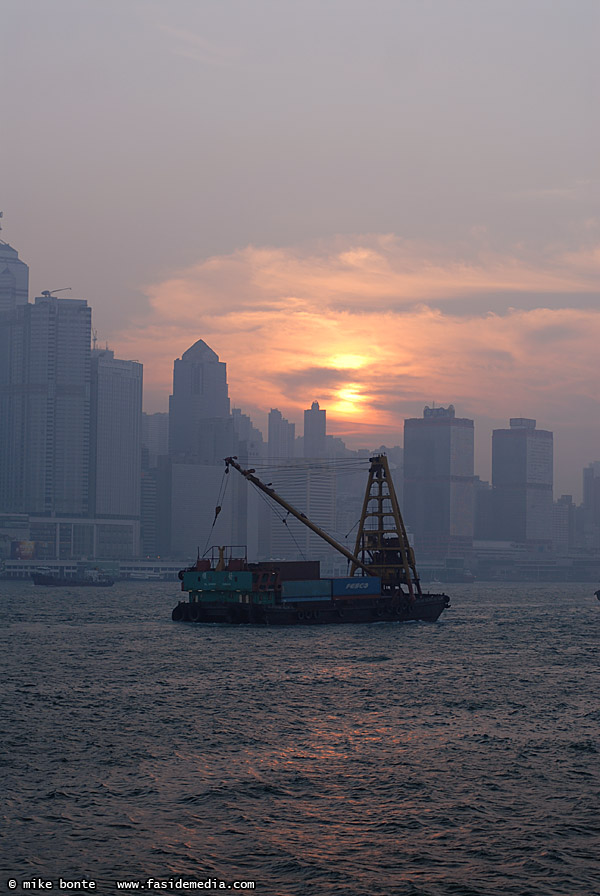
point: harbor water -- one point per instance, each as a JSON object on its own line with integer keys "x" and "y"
{"x": 459, "y": 757}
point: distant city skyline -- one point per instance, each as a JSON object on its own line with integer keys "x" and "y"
{"x": 371, "y": 205}
{"x": 355, "y": 428}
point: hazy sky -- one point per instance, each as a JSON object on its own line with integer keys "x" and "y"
{"x": 377, "y": 205}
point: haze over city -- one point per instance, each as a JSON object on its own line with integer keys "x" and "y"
{"x": 377, "y": 206}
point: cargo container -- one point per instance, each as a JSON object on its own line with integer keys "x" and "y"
{"x": 309, "y": 588}
{"x": 356, "y": 586}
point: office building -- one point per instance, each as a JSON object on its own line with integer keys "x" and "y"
{"x": 591, "y": 506}
{"x": 438, "y": 483}
{"x": 311, "y": 489}
{"x": 281, "y": 435}
{"x": 14, "y": 279}
{"x": 200, "y": 425}
{"x": 315, "y": 432}
{"x": 115, "y": 439}
{"x": 522, "y": 474}
{"x": 45, "y": 407}
{"x": 155, "y": 438}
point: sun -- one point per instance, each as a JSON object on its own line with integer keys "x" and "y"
{"x": 349, "y": 401}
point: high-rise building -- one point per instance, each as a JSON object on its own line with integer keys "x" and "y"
{"x": 591, "y": 505}
{"x": 281, "y": 435}
{"x": 14, "y": 279}
{"x": 311, "y": 489}
{"x": 438, "y": 483}
{"x": 315, "y": 431}
{"x": 155, "y": 448}
{"x": 201, "y": 436}
{"x": 200, "y": 426}
{"x": 155, "y": 438}
{"x": 522, "y": 478}
{"x": 115, "y": 436}
{"x": 45, "y": 407}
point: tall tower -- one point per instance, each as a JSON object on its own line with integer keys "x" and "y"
{"x": 14, "y": 279}
{"x": 200, "y": 426}
{"x": 115, "y": 436}
{"x": 281, "y": 436}
{"x": 45, "y": 407}
{"x": 315, "y": 430}
{"x": 522, "y": 478}
{"x": 438, "y": 482}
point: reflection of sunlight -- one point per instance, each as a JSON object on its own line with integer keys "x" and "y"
{"x": 347, "y": 361}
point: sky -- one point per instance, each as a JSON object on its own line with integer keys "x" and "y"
{"x": 377, "y": 205}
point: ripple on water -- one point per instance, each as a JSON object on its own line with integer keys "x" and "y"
{"x": 454, "y": 758}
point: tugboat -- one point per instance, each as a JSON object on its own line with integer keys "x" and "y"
{"x": 383, "y": 584}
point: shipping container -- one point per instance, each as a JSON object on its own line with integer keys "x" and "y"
{"x": 310, "y": 588}
{"x": 356, "y": 586}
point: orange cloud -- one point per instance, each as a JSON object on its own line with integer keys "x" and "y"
{"x": 371, "y": 328}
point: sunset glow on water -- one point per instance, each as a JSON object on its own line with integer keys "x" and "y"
{"x": 432, "y": 759}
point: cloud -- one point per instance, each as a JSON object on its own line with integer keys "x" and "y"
{"x": 365, "y": 325}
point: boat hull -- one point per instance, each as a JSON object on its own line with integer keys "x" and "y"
{"x": 426, "y": 608}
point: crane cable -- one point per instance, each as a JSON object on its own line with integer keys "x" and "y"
{"x": 218, "y": 508}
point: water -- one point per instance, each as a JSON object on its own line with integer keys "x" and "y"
{"x": 460, "y": 757}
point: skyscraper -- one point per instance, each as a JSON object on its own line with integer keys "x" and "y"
{"x": 281, "y": 435}
{"x": 591, "y": 505}
{"x": 115, "y": 436}
{"x": 200, "y": 426}
{"x": 438, "y": 482}
{"x": 14, "y": 279}
{"x": 201, "y": 435}
{"x": 45, "y": 407}
{"x": 315, "y": 431}
{"x": 522, "y": 474}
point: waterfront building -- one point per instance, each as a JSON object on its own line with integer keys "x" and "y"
{"x": 591, "y": 505}
{"x": 522, "y": 479}
{"x": 115, "y": 438}
{"x": 14, "y": 279}
{"x": 438, "y": 483}
{"x": 45, "y": 407}
{"x": 311, "y": 489}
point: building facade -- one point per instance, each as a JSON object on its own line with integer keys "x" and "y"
{"x": 45, "y": 407}
{"x": 280, "y": 437}
{"x": 522, "y": 479}
{"x": 438, "y": 483}
{"x": 115, "y": 439}
{"x": 14, "y": 279}
{"x": 200, "y": 425}
{"x": 315, "y": 431}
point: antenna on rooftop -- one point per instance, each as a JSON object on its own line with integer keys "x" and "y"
{"x": 94, "y": 338}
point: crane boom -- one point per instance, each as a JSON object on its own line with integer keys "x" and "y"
{"x": 249, "y": 475}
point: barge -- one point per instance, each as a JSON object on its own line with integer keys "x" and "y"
{"x": 382, "y": 586}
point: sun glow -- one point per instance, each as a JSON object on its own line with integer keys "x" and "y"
{"x": 349, "y": 401}
{"x": 347, "y": 361}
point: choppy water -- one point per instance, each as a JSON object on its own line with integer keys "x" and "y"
{"x": 460, "y": 757}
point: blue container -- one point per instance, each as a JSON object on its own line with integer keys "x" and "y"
{"x": 356, "y": 586}
{"x": 310, "y": 588}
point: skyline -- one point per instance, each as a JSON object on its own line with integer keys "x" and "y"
{"x": 378, "y": 207}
